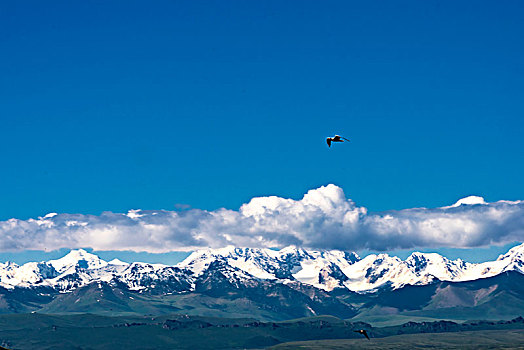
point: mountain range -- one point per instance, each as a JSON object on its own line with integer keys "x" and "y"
{"x": 270, "y": 284}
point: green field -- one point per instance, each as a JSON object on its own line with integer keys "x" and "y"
{"x": 499, "y": 339}
{"x": 89, "y": 331}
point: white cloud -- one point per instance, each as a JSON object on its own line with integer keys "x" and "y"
{"x": 323, "y": 219}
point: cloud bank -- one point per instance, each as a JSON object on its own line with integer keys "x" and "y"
{"x": 323, "y": 219}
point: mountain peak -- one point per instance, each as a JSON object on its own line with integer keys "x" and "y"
{"x": 117, "y": 262}
{"x": 425, "y": 256}
{"x": 326, "y": 269}
{"x": 78, "y": 258}
{"x": 416, "y": 255}
{"x": 80, "y": 254}
{"x": 293, "y": 249}
{"x": 513, "y": 259}
{"x": 517, "y": 249}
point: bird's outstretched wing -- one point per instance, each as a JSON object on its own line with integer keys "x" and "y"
{"x": 345, "y": 139}
{"x": 328, "y": 140}
{"x": 363, "y": 332}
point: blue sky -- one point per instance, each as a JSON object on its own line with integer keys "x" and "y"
{"x": 111, "y": 106}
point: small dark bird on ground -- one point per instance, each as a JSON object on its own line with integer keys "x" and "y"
{"x": 336, "y": 138}
{"x": 363, "y": 332}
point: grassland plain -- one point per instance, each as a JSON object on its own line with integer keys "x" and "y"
{"x": 495, "y": 339}
{"x": 89, "y": 331}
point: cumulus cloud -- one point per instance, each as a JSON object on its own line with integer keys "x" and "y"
{"x": 323, "y": 219}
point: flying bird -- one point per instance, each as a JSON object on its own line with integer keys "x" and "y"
{"x": 363, "y": 332}
{"x": 336, "y": 138}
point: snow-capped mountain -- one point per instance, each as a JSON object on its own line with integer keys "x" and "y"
{"x": 328, "y": 270}
{"x": 156, "y": 278}
{"x": 78, "y": 259}
{"x": 321, "y": 269}
{"x": 375, "y": 271}
{"x": 513, "y": 260}
{"x": 27, "y": 275}
{"x": 325, "y": 270}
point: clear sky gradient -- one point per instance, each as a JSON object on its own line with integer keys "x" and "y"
{"x": 111, "y": 106}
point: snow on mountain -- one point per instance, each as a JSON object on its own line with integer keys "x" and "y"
{"x": 158, "y": 277}
{"x": 29, "y": 274}
{"x": 335, "y": 269}
{"x": 320, "y": 269}
{"x": 326, "y": 270}
{"x": 513, "y": 260}
{"x": 323, "y": 269}
{"x": 7, "y": 271}
{"x": 375, "y": 271}
{"x": 117, "y": 262}
{"x": 254, "y": 261}
{"x": 78, "y": 258}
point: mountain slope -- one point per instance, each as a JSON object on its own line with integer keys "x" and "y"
{"x": 270, "y": 285}
{"x": 327, "y": 270}
{"x": 330, "y": 270}
{"x": 498, "y": 297}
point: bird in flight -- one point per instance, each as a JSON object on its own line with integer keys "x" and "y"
{"x": 363, "y": 332}
{"x": 336, "y": 138}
